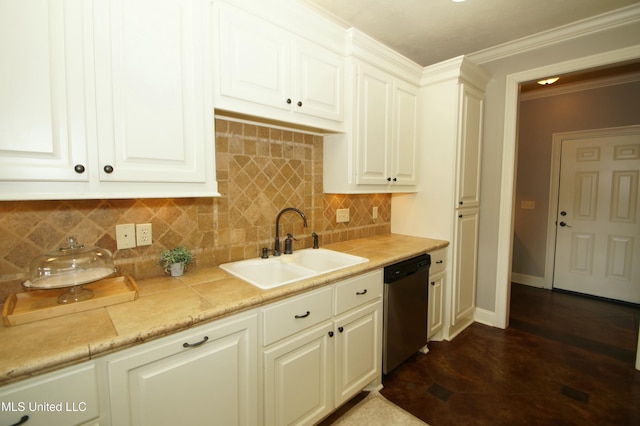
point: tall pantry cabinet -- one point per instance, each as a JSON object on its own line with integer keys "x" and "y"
{"x": 447, "y": 203}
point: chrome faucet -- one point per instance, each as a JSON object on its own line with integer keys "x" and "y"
{"x": 276, "y": 246}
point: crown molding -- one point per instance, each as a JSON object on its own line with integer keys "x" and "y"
{"x": 605, "y": 21}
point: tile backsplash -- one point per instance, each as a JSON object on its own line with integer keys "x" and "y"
{"x": 260, "y": 171}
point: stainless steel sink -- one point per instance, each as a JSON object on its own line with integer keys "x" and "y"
{"x": 289, "y": 268}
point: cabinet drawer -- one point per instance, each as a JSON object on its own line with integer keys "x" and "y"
{"x": 64, "y": 397}
{"x": 293, "y": 315}
{"x": 357, "y": 291}
{"x": 438, "y": 261}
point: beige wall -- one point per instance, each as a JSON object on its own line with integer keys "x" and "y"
{"x": 539, "y": 119}
{"x": 260, "y": 170}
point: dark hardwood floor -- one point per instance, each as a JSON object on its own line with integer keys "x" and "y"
{"x": 564, "y": 360}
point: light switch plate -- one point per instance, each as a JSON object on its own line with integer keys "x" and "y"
{"x": 528, "y": 205}
{"x": 375, "y": 212}
{"x": 144, "y": 234}
{"x": 125, "y": 236}
{"x": 342, "y": 215}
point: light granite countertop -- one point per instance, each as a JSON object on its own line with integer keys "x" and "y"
{"x": 166, "y": 305}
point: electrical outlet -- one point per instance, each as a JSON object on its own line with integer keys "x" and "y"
{"x": 342, "y": 215}
{"x": 528, "y": 205}
{"x": 125, "y": 236}
{"x": 375, "y": 212}
{"x": 143, "y": 234}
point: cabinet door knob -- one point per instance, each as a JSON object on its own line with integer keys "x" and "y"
{"x": 439, "y": 261}
{"x": 395, "y": 179}
{"x": 460, "y": 216}
{"x": 388, "y": 179}
{"x": 299, "y": 103}
{"x": 79, "y": 168}
{"x": 108, "y": 169}
{"x": 433, "y": 283}
{"x": 288, "y": 101}
{"x": 331, "y": 334}
{"x": 340, "y": 329}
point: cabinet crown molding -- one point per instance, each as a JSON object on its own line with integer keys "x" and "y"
{"x": 460, "y": 67}
{"x": 364, "y": 47}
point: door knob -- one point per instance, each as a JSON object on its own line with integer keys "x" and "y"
{"x": 563, "y": 224}
{"x": 563, "y": 213}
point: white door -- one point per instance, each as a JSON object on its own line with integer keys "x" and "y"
{"x": 598, "y": 235}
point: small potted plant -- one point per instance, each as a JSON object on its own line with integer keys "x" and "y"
{"x": 176, "y": 260}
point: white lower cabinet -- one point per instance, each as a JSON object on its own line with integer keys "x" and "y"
{"x": 321, "y": 348}
{"x": 437, "y": 280}
{"x": 207, "y": 375}
{"x": 65, "y": 397}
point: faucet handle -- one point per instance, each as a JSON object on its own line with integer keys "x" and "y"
{"x": 315, "y": 240}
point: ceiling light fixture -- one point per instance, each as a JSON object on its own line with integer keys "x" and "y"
{"x": 458, "y": 1}
{"x": 548, "y": 81}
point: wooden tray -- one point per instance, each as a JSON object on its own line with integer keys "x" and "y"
{"x": 22, "y": 308}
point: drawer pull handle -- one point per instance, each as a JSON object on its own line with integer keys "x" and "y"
{"x": 439, "y": 261}
{"x": 193, "y": 345}
{"x": 303, "y": 316}
{"x": 22, "y": 421}
{"x": 360, "y": 293}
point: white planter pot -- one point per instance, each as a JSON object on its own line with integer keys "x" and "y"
{"x": 176, "y": 269}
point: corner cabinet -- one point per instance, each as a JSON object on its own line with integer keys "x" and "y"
{"x": 321, "y": 348}
{"x": 451, "y": 101}
{"x": 267, "y": 71}
{"x": 113, "y": 101}
{"x": 378, "y": 153}
{"x": 201, "y": 376}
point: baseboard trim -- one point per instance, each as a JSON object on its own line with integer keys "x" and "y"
{"x": 530, "y": 280}
{"x": 484, "y": 316}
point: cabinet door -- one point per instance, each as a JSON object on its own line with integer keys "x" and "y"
{"x": 212, "y": 381}
{"x": 373, "y": 118}
{"x": 154, "y": 115}
{"x": 465, "y": 266}
{"x": 436, "y": 304}
{"x": 469, "y": 146}
{"x": 405, "y": 134}
{"x": 255, "y": 59}
{"x": 358, "y": 350}
{"x": 319, "y": 82}
{"x": 71, "y": 395}
{"x": 298, "y": 384}
{"x": 43, "y": 90}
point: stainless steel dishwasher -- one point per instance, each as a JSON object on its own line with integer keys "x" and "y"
{"x": 405, "y": 310}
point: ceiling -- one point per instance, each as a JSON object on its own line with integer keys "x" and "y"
{"x": 430, "y": 31}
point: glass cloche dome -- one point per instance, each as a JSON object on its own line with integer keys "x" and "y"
{"x": 71, "y": 267}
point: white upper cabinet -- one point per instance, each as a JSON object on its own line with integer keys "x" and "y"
{"x": 47, "y": 58}
{"x": 469, "y": 146}
{"x": 266, "y": 71}
{"x": 378, "y": 153}
{"x": 113, "y": 99}
{"x": 151, "y": 89}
